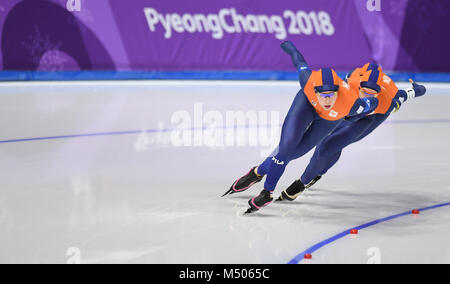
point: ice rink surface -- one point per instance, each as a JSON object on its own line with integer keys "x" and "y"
{"x": 132, "y": 172}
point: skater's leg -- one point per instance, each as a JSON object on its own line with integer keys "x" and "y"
{"x": 378, "y": 119}
{"x": 297, "y": 121}
{"x": 330, "y": 163}
{"x": 328, "y": 152}
{"x": 325, "y": 157}
{"x": 313, "y": 136}
{"x": 299, "y": 118}
{"x": 326, "y": 148}
{"x": 318, "y": 166}
{"x": 264, "y": 167}
{"x": 318, "y": 130}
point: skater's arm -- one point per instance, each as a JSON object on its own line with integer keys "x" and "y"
{"x": 297, "y": 58}
{"x": 403, "y": 95}
{"x": 349, "y": 74}
{"x": 362, "y": 108}
{"x": 299, "y": 62}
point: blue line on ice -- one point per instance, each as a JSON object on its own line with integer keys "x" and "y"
{"x": 335, "y": 238}
{"x": 192, "y": 129}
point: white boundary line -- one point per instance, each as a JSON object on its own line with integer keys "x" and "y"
{"x": 151, "y": 83}
{"x": 226, "y": 83}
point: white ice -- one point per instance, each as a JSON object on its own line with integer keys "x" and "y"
{"x": 142, "y": 197}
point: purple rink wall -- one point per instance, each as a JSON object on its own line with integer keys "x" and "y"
{"x": 179, "y": 38}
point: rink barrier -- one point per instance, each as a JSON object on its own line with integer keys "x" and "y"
{"x": 299, "y": 257}
{"x": 190, "y": 75}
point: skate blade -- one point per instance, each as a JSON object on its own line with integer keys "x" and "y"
{"x": 279, "y": 199}
{"x": 229, "y": 192}
{"x": 282, "y": 198}
{"x": 313, "y": 182}
{"x": 249, "y": 211}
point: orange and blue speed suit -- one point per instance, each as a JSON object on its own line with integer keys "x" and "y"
{"x": 354, "y": 129}
{"x": 307, "y": 122}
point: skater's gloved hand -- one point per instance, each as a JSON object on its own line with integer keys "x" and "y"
{"x": 354, "y": 118}
{"x": 419, "y": 90}
{"x": 397, "y": 104}
{"x": 288, "y": 47}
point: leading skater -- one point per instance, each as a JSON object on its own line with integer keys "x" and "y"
{"x": 371, "y": 82}
{"x": 321, "y": 104}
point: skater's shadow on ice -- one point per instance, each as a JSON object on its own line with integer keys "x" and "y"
{"x": 240, "y": 204}
{"x": 377, "y": 198}
{"x": 263, "y": 214}
{"x": 329, "y": 205}
{"x": 239, "y": 197}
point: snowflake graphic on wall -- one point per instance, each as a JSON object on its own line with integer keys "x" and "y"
{"x": 38, "y": 45}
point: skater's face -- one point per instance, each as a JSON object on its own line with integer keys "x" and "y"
{"x": 327, "y": 99}
{"x": 367, "y": 93}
